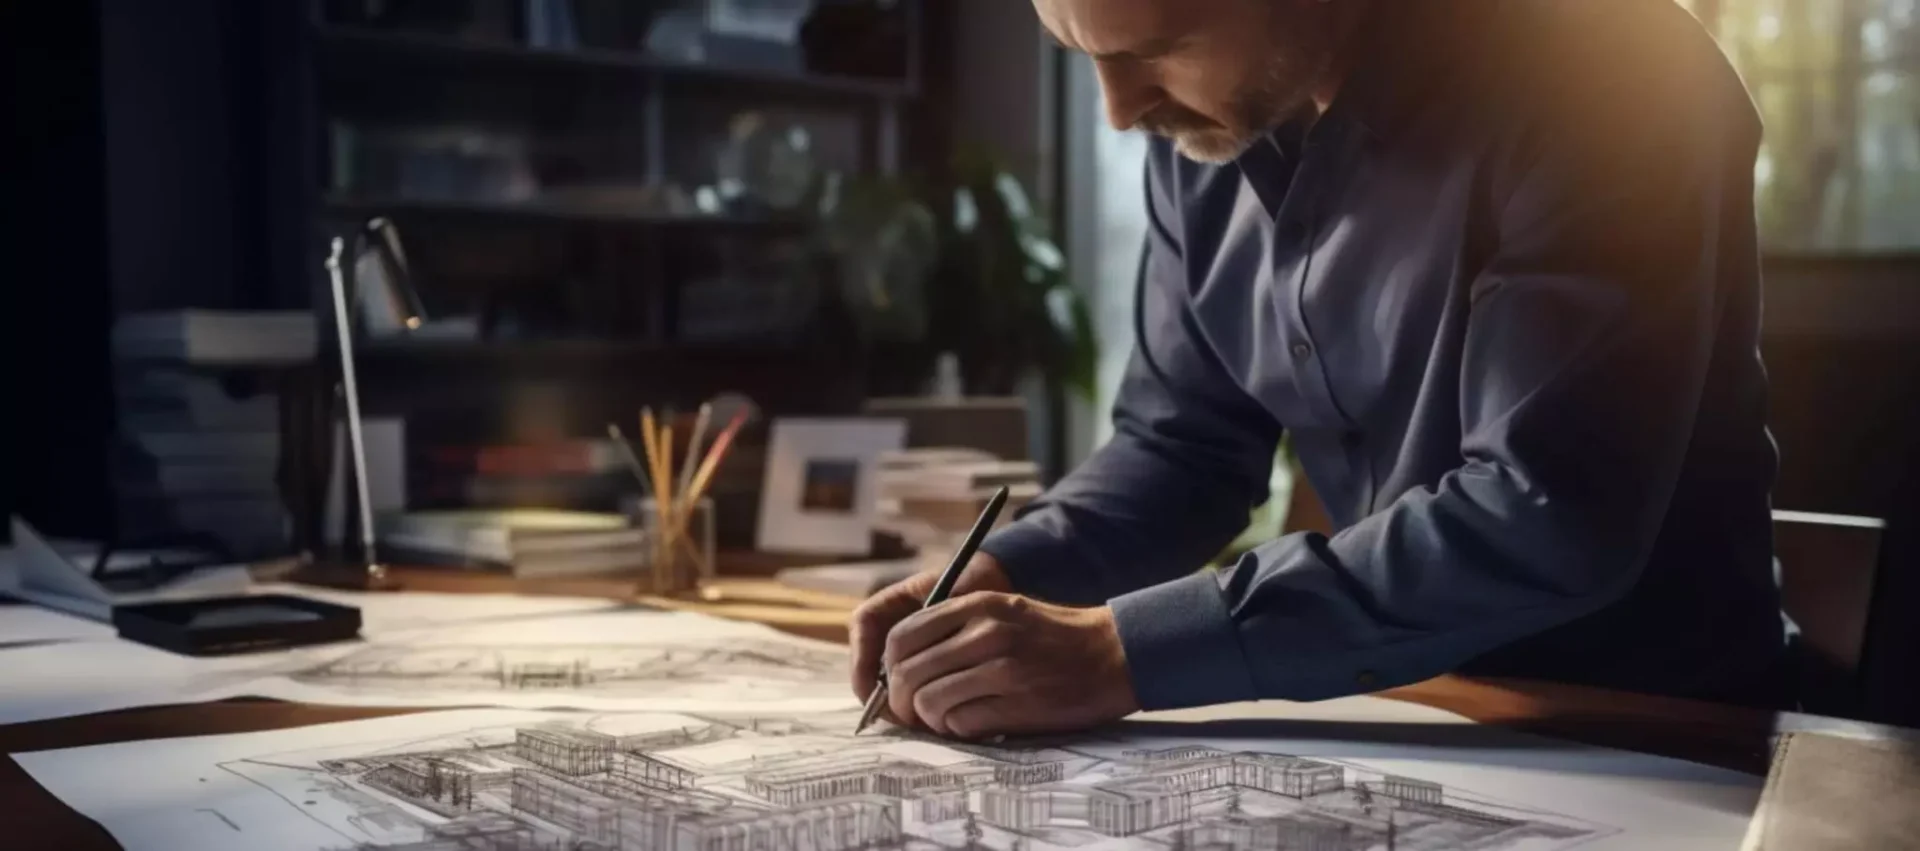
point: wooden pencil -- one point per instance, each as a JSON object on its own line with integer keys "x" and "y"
{"x": 709, "y": 465}
{"x": 694, "y": 439}
{"x": 662, "y": 497}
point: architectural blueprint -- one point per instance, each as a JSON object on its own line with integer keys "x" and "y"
{"x": 625, "y": 659}
{"x": 511, "y": 780}
{"x": 746, "y": 668}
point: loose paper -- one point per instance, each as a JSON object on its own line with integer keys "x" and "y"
{"x": 624, "y": 659}
{"x": 611, "y": 660}
{"x": 1360, "y": 773}
{"x": 385, "y": 612}
{"x": 29, "y": 624}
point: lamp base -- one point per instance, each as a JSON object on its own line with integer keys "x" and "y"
{"x": 345, "y": 576}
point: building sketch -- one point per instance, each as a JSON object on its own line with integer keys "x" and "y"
{"x": 754, "y": 667}
{"x": 669, "y": 782}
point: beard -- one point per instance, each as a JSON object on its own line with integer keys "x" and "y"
{"x": 1262, "y": 103}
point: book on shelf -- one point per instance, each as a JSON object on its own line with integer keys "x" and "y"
{"x": 217, "y": 338}
{"x": 203, "y": 446}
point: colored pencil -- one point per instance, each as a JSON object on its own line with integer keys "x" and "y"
{"x": 699, "y": 434}
{"x": 709, "y": 465}
{"x": 627, "y": 454}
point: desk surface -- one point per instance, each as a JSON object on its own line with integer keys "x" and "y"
{"x": 1717, "y": 735}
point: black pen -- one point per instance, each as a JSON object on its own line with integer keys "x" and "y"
{"x": 942, "y": 588}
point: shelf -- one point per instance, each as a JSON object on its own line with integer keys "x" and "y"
{"x": 554, "y": 212}
{"x": 572, "y": 351}
{"x": 371, "y": 45}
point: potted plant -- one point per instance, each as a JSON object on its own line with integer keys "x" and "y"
{"x": 963, "y": 265}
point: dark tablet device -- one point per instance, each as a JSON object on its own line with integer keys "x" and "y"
{"x": 227, "y": 625}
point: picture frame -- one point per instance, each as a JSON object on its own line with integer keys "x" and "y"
{"x": 821, "y": 492}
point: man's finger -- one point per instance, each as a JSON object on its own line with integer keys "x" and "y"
{"x": 995, "y": 715}
{"x": 981, "y": 640}
{"x": 935, "y": 624}
{"x": 936, "y": 701}
{"x": 869, "y": 626}
{"x": 976, "y": 642}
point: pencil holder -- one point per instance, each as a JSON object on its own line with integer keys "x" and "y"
{"x": 680, "y": 553}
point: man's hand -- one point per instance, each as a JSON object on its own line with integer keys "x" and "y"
{"x": 991, "y": 663}
{"x": 881, "y": 612}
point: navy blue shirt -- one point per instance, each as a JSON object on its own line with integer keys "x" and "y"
{"x": 1504, "y": 297}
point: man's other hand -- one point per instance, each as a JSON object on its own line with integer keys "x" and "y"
{"x": 990, "y": 663}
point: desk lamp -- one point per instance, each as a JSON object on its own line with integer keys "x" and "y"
{"x": 364, "y": 573}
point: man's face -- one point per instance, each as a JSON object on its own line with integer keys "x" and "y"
{"x": 1212, "y": 75}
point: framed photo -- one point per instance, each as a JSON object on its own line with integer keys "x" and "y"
{"x": 821, "y": 493}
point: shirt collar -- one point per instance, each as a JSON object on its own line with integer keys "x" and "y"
{"x": 1408, "y": 50}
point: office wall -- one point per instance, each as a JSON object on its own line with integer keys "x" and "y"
{"x": 53, "y": 332}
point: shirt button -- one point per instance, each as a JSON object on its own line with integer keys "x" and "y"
{"x": 1366, "y": 679}
{"x": 1302, "y": 351}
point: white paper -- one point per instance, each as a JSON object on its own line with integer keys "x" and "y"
{"x": 1342, "y": 774}
{"x": 609, "y": 660}
{"x": 45, "y": 680}
{"x": 9, "y": 573}
{"x": 30, "y": 624}
{"x": 385, "y": 612}
{"x": 83, "y": 677}
{"x": 46, "y": 575}
{"x": 624, "y": 659}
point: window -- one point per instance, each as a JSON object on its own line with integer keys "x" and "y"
{"x": 1835, "y": 81}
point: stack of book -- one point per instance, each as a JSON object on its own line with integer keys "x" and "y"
{"x": 197, "y": 447}
{"x": 527, "y": 543}
{"x": 927, "y": 496}
{"x": 579, "y": 474}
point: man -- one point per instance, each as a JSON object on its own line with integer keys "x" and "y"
{"x": 1492, "y": 265}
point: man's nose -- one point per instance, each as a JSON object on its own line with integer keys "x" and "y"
{"x": 1130, "y": 92}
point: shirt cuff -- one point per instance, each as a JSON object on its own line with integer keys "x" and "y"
{"x": 1035, "y": 561}
{"x": 1181, "y": 644}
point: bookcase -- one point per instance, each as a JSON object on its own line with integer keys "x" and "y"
{"x": 226, "y": 141}
{"x": 571, "y": 196}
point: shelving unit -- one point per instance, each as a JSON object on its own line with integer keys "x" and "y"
{"x": 346, "y": 42}
{"x": 595, "y": 119}
{"x": 598, "y": 243}
{"x": 558, "y": 212}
